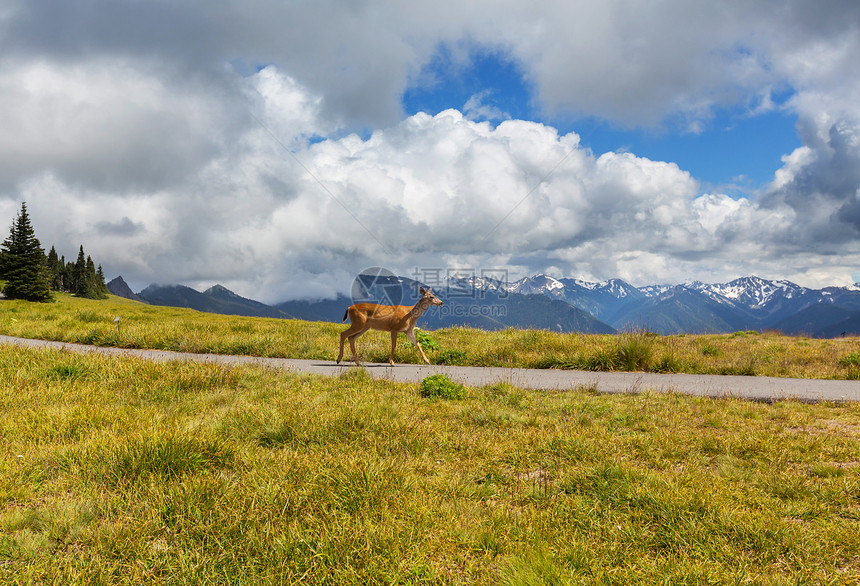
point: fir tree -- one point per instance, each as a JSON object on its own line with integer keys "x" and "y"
{"x": 65, "y": 274}
{"x": 55, "y": 270}
{"x": 85, "y": 281}
{"x": 79, "y": 275}
{"x": 96, "y": 288}
{"x": 100, "y": 282}
{"x": 22, "y": 262}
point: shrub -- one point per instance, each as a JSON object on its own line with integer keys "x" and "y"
{"x": 439, "y": 385}
{"x": 850, "y": 360}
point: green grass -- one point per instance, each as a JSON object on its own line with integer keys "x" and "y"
{"x": 141, "y": 326}
{"x": 124, "y": 471}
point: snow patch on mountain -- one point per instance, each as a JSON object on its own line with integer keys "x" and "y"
{"x": 538, "y": 285}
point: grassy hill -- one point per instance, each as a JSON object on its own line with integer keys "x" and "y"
{"x": 70, "y": 319}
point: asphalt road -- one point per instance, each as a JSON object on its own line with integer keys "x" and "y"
{"x": 759, "y": 388}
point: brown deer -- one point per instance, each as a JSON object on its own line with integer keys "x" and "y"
{"x": 386, "y": 318}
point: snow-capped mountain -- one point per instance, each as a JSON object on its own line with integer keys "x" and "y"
{"x": 538, "y": 285}
{"x": 655, "y": 290}
{"x": 691, "y": 307}
{"x": 475, "y": 283}
{"x": 574, "y": 305}
{"x": 756, "y": 293}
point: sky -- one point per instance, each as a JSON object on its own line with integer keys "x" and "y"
{"x": 280, "y": 148}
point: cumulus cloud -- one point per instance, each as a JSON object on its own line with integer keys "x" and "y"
{"x": 428, "y": 191}
{"x": 262, "y": 145}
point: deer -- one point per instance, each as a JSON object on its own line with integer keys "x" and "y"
{"x": 385, "y": 318}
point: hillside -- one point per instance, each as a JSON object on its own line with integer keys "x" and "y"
{"x": 217, "y": 299}
{"x": 75, "y": 320}
{"x": 565, "y": 305}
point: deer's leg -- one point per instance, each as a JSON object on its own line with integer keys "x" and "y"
{"x": 352, "y": 339}
{"x": 411, "y": 335}
{"x": 348, "y": 333}
{"x": 393, "y": 346}
{"x": 343, "y": 336}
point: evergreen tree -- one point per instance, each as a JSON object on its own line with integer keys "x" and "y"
{"x": 65, "y": 274}
{"x": 68, "y": 276}
{"x": 55, "y": 270}
{"x": 100, "y": 282}
{"x": 96, "y": 288}
{"x": 22, "y": 262}
{"x": 85, "y": 281}
{"x": 80, "y": 278}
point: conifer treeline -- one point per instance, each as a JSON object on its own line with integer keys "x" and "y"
{"x": 80, "y": 278}
{"x": 31, "y": 275}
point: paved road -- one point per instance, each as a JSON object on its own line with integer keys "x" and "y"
{"x": 760, "y": 388}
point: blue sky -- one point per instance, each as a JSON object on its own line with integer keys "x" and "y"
{"x": 717, "y": 139}
{"x": 737, "y": 150}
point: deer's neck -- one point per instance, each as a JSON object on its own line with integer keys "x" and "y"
{"x": 419, "y": 308}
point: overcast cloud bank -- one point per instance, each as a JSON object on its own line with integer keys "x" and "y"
{"x": 263, "y": 146}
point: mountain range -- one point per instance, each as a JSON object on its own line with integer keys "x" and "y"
{"x": 568, "y": 305}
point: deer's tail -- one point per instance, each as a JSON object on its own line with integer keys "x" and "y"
{"x": 345, "y": 314}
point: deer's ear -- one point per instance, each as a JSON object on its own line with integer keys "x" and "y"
{"x": 422, "y": 290}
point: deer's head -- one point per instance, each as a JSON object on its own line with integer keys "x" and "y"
{"x": 428, "y": 297}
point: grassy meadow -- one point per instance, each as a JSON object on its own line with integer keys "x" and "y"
{"x": 70, "y": 319}
{"x": 123, "y": 471}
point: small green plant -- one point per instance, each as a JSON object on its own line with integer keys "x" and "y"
{"x": 426, "y": 341}
{"x": 851, "y": 360}
{"x": 439, "y": 385}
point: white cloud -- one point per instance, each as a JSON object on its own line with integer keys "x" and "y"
{"x": 126, "y": 131}
{"x": 476, "y": 109}
{"x": 105, "y": 122}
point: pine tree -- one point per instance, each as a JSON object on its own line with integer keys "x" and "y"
{"x": 96, "y": 288}
{"x": 55, "y": 270}
{"x": 22, "y": 262}
{"x": 69, "y": 276}
{"x": 80, "y": 282}
{"x": 100, "y": 283}
{"x": 65, "y": 274}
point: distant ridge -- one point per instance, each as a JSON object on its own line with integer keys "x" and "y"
{"x": 571, "y": 305}
{"x": 539, "y": 301}
{"x": 216, "y": 299}
{"x": 486, "y": 309}
{"x": 746, "y": 303}
{"x": 120, "y": 288}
